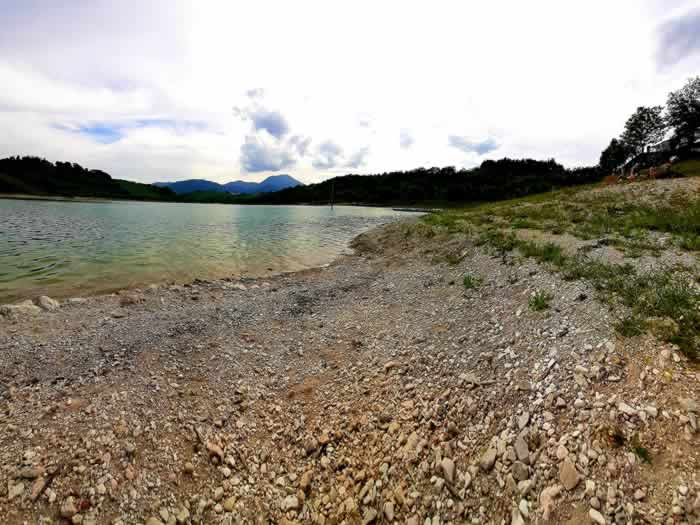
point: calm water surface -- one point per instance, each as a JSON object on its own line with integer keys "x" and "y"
{"x": 81, "y": 248}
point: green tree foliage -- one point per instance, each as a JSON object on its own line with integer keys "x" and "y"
{"x": 684, "y": 109}
{"x": 37, "y": 176}
{"x": 613, "y": 156}
{"x": 646, "y": 126}
{"x": 493, "y": 180}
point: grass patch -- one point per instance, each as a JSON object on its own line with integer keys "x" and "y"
{"x": 469, "y": 281}
{"x": 548, "y": 252}
{"x": 539, "y": 301}
{"x": 630, "y": 326}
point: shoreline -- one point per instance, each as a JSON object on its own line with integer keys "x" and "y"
{"x": 377, "y": 388}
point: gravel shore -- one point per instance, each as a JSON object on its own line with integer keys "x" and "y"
{"x": 375, "y": 390}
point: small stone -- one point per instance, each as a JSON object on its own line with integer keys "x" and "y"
{"x": 522, "y": 450}
{"x": 626, "y": 409}
{"x": 523, "y": 508}
{"x": 189, "y": 468}
{"x": 48, "y": 304}
{"x": 639, "y": 494}
{"x": 15, "y": 491}
{"x": 568, "y": 475}
{"x": 516, "y": 518}
{"x": 305, "y": 481}
{"x": 523, "y": 420}
{"x": 448, "y": 469}
{"x": 68, "y": 508}
{"x": 683, "y": 490}
{"x": 547, "y": 497}
{"x": 229, "y": 504}
{"x": 596, "y": 517}
{"x": 389, "y": 511}
{"x": 488, "y": 459}
{"x": 290, "y": 503}
{"x": 520, "y": 471}
{"x": 153, "y": 521}
{"x": 369, "y": 517}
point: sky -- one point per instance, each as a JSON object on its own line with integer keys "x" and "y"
{"x": 164, "y": 90}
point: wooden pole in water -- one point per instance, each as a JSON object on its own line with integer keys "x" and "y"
{"x": 332, "y": 193}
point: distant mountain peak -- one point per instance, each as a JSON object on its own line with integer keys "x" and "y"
{"x": 270, "y": 184}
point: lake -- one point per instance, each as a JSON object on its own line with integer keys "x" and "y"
{"x": 62, "y": 249}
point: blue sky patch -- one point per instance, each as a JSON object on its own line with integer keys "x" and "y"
{"x": 111, "y": 132}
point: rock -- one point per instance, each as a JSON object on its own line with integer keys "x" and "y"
{"x": 523, "y": 420}
{"x": 15, "y": 491}
{"x": 488, "y": 459}
{"x": 596, "y": 517}
{"x": 448, "y": 469}
{"x": 369, "y": 517}
{"x": 547, "y": 497}
{"x": 291, "y": 502}
{"x": 516, "y": 518}
{"x": 389, "y": 366}
{"x": 68, "y": 508}
{"x": 46, "y": 303}
{"x": 215, "y": 451}
{"x": 229, "y": 504}
{"x": 22, "y": 309}
{"x": 639, "y": 494}
{"x": 626, "y": 409}
{"x": 524, "y": 509}
{"x": 568, "y": 475}
{"x": 37, "y": 488}
{"x": 305, "y": 481}
{"x": 389, "y": 511}
{"x": 128, "y": 299}
{"x": 520, "y": 471}
{"x": 189, "y": 468}
{"x": 522, "y": 450}
{"x": 153, "y": 521}
{"x": 689, "y": 405}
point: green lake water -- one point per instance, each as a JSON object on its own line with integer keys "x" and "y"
{"x": 65, "y": 249}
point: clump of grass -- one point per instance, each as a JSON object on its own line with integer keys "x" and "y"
{"x": 641, "y": 451}
{"x": 469, "y": 281}
{"x": 630, "y": 326}
{"x": 548, "y": 252}
{"x": 539, "y": 300}
{"x": 453, "y": 259}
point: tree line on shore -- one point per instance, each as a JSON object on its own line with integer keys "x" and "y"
{"x": 649, "y": 125}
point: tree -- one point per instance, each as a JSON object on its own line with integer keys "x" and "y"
{"x": 645, "y": 126}
{"x": 684, "y": 109}
{"x": 613, "y": 156}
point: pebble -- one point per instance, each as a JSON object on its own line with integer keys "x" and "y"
{"x": 596, "y": 517}
{"x": 568, "y": 475}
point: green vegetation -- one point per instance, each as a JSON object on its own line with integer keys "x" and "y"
{"x": 664, "y": 301}
{"x": 35, "y": 176}
{"x": 469, "y": 281}
{"x": 539, "y": 301}
{"x": 492, "y": 181}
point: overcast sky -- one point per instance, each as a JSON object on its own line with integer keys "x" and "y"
{"x": 168, "y": 90}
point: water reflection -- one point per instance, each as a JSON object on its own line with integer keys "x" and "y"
{"x": 71, "y": 248}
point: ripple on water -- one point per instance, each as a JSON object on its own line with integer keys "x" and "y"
{"x": 59, "y": 247}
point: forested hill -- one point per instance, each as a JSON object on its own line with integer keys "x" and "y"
{"x": 36, "y": 176}
{"x": 493, "y": 180}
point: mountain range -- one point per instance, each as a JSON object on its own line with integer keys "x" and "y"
{"x": 270, "y": 184}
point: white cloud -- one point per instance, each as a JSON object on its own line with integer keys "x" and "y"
{"x": 558, "y": 80}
